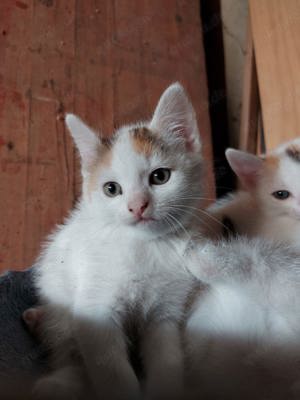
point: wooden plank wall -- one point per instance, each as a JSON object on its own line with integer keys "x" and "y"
{"x": 250, "y": 103}
{"x": 275, "y": 27}
{"x": 108, "y": 61}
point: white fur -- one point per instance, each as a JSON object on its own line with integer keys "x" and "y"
{"x": 85, "y": 140}
{"x": 242, "y": 336}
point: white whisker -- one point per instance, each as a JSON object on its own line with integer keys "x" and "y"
{"x": 202, "y": 221}
{"x": 200, "y": 211}
{"x": 180, "y": 225}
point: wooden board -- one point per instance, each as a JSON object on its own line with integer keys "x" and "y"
{"x": 91, "y": 58}
{"x": 276, "y": 32}
{"x": 250, "y": 102}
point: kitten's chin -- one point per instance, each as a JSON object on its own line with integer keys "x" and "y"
{"x": 149, "y": 229}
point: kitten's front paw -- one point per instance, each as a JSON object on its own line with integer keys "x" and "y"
{"x": 50, "y": 388}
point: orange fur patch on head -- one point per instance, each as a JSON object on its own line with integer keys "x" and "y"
{"x": 105, "y": 157}
{"x": 143, "y": 141}
{"x": 293, "y": 152}
{"x": 272, "y": 162}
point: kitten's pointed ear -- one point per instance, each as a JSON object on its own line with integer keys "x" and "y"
{"x": 175, "y": 114}
{"x": 87, "y": 143}
{"x": 246, "y": 166}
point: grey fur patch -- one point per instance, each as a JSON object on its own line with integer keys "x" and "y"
{"x": 20, "y": 353}
{"x": 294, "y": 153}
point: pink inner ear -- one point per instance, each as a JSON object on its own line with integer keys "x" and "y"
{"x": 246, "y": 166}
{"x": 249, "y": 178}
{"x": 190, "y": 140}
{"x": 249, "y": 173}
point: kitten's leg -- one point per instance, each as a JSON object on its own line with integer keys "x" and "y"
{"x": 104, "y": 350}
{"x": 213, "y": 349}
{"x": 197, "y": 347}
{"x": 163, "y": 358}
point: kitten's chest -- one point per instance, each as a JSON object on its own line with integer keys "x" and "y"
{"x": 149, "y": 265}
{"x": 148, "y": 277}
{"x": 130, "y": 277}
{"x": 138, "y": 259}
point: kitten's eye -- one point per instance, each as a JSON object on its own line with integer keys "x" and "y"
{"x": 281, "y": 194}
{"x": 160, "y": 176}
{"x": 112, "y": 189}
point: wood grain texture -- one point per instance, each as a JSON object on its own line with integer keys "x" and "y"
{"x": 250, "y": 102}
{"x": 107, "y": 61}
{"x": 275, "y": 26}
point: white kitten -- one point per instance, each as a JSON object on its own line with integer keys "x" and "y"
{"x": 117, "y": 263}
{"x": 269, "y": 204}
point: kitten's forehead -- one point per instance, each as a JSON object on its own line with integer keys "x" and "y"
{"x": 289, "y": 171}
{"x": 140, "y": 140}
{"x": 145, "y": 141}
{"x": 135, "y": 149}
{"x": 293, "y": 152}
{"x": 289, "y": 149}
{"x": 289, "y": 174}
{"x": 282, "y": 168}
{"x": 272, "y": 162}
{"x": 284, "y": 157}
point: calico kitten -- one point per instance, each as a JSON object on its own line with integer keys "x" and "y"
{"x": 269, "y": 203}
{"x": 116, "y": 266}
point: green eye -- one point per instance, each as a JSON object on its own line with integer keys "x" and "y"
{"x": 160, "y": 176}
{"x": 281, "y": 194}
{"x": 112, "y": 189}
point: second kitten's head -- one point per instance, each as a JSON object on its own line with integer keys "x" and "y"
{"x": 273, "y": 178}
{"x": 147, "y": 176}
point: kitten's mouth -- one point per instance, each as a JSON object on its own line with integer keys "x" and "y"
{"x": 145, "y": 220}
{"x": 141, "y": 221}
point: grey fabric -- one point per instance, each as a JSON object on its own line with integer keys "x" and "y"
{"x": 20, "y": 352}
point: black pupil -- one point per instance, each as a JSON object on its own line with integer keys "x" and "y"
{"x": 160, "y": 175}
{"x": 282, "y": 194}
{"x": 112, "y": 188}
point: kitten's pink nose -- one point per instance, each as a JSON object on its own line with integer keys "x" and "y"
{"x": 137, "y": 206}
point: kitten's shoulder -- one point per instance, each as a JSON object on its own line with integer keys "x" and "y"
{"x": 219, "y": 219}
{"x": 232, "y": 200}
{"x": 235, "y": 212}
